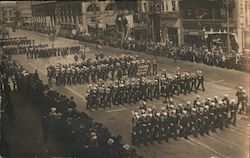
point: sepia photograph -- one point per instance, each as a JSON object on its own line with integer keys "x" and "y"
{"x": 125, "y": 79}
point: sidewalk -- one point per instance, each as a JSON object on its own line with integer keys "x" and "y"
{"x": 25, "y": 135}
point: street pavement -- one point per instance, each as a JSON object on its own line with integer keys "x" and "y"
{"x": 230, "y": 143}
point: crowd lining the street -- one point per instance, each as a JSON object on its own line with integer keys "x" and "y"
{"x": 148, "y": 124}
{"x": 214, "y": 57}
{"x": 93, "y": 139}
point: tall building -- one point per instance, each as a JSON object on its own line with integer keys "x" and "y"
{"x": 163, "y": 20}
{"x": 84, "y": 16}
{"x": 7, "y": 12}
{"x": 243, "y": 23}
{"x": 209, "y": 22}
{"x": 129, "y": 21}
{"x": 25, "y": 13}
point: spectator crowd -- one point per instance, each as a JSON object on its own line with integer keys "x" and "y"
{"x": 214, "y": 57}
{"x": 92, "y": 139}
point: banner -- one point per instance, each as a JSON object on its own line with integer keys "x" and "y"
{"x": 142, "y": 70}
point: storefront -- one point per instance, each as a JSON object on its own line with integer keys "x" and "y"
{"x": 194, "y": 38}
{"x": 170, "y": 28}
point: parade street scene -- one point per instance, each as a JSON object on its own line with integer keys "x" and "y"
{"x": 125, "y": 79}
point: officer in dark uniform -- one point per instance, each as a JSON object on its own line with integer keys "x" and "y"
{"x": 220, "y": 115}
{"x": 154, "y": 67}
{"x": 194, "y": 122}
{"x": 233, "y": 112}
{"x": 176, "y": 85}
{"x": 156, "y": 89}
{"x": 206, "y": 119}
{"x": 166, "y": 126}
{"x": 88, "y": 99}
{"x": 174, "y": 124}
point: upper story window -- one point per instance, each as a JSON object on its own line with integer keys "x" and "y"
{"x": 145, "y": 6}
{"x": 163, "y": 7}
{"x": 173, "y": 6}
{"x": 10, "y": 12}
{"x": 110, "y": 7}
{"x": 155, "y": 6}
{"x": 92, "y": 8}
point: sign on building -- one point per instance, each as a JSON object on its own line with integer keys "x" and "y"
{"x": 242, "y": 14}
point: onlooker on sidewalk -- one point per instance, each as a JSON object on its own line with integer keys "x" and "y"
{"x": 45, "y": 124}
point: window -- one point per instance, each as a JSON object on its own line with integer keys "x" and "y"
{"x": 10, "y": 12}
{"x": 173, "y": 6}
{"x": 162, "y": 4}
{"x": 110, "y": 7}
{"x": 145, "y": 7}
{"x": 92, "y": 8}
{"x": 93, "y": 19}
{"x": 80, "y": 19}
{"x": 74, "y": 19}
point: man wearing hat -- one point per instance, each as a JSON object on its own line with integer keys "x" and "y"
{"x": 200, "y": 79}
{"x": 173, "y": 124}
{"x": 184, "y": 124}
{"x": 240, "y": 96}
{"x": 45, "y": 124}
{"x": 233, "y": 112}
{"x": 154, "y": 67}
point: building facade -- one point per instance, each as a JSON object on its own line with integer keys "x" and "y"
{"x": 8, "y": 13}
{"x": 243, "y": 23}
{"x": 84, "y": 16}
{"x": 208, "y": 22}
{"x": 25, "y": 13}
{"x": 163, "y": 20}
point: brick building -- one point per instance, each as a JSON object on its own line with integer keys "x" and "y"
{"x": 84, "y": 16}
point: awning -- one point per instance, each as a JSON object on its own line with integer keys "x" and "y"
{"x": 168, "y": 23}
{"x": 194, "y": 32}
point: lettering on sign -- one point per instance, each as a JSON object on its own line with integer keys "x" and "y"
{"x": 142, "y": 70}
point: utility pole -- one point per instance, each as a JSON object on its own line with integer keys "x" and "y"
{"x": 96, "y": 16}
{"x": 228, "y": 29}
